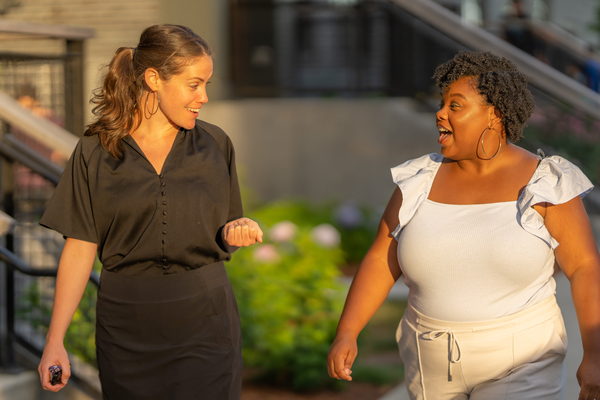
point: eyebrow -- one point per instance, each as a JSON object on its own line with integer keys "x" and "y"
{"x": 457, "y": 95}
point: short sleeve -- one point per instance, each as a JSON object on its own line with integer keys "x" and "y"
{"x": 414, "y": 178}
{"x": 555, "y": 181}
{"x": 69, "y": 211}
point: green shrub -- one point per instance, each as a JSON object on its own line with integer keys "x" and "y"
{"x": 288, "y": 297}
{"x": 35, "y": 308}
{"x": 357, "y": 229}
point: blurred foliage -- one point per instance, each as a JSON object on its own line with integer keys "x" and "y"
{"x": 378, "y": 361}
{"x": 356, "y": 224}
{"x": 288, "y": 296}
{"x": 562, "y": 131}
{"x": 34, "y": 307}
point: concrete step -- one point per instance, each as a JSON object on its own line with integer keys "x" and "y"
{"x": 21, "y": 386}
{"x": 26, "y": 386}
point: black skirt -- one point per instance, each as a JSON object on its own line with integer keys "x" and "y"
{"x": 174, "y": 337}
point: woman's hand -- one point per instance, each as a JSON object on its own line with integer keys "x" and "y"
{"x": 341, "y": 356}
{"x": 74, "y": 270}
{"x": 588, "y": 377}
{"x": 54, "y": 354}
{"x": 242, "y": 232}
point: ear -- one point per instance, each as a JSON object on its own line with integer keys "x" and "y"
{"x": 151, "y": 78}
{"x": 494, "y": 116}
{"x": 496, "y": 120}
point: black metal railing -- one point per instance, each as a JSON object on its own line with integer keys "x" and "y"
{"x": 30, "y": 257}
{"x": 391, "y": 48}
{"x": 39, "y": 93}
{"x": 362, "y": 48}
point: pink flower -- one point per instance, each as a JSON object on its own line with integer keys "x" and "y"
{"x": 283, "y": 231}
{"x": 326, "y": 235}
{"x": 266, "y": 253}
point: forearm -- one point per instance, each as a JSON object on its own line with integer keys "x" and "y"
{"x": 585, "y": 289}
{"x": 368, "y": 291}
{"x": 74, "y": 271}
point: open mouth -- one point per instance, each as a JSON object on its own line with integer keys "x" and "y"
{"x": 194, "y": 110}
{"x": 444, "y": 134}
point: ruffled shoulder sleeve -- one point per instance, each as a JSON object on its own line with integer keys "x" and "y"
{"x": 414, "y": 178}
{"x": 555, "y": 181}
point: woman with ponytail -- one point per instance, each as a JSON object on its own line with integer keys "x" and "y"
{"x": 154, "y": 193}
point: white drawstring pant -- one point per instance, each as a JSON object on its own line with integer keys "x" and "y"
{"x": 516, "y": 357}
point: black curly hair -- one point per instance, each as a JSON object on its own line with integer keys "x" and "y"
{"x": 498, "y": 81}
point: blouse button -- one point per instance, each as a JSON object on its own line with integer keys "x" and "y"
{"x": 161, "y": 176}
{"x": 163, "y": 184}
{"x": 164, "y": 222}
{"x": 164, "y": 232}
{"x": 163, "y": 241}
{"x": 164, "y": 202}
{"x": 164, "y": 213}
{"x": 163, "y": 192}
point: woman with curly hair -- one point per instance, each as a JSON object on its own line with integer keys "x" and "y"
{"x": 475, "y": 232}
{"x": 154, "y": 192}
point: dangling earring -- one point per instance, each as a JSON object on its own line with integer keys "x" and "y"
{"x": 499, "y": 145}
{"x": 156, "y": 100}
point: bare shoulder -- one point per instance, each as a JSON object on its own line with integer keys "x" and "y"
{"x": 523, "y": 162}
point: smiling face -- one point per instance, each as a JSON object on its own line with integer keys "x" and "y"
{"x": 462, "y": 118}
{"x": 182, "y": 96}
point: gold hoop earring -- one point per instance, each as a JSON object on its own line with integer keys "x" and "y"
{"x": 156, "y": 100}
{"x": 499, "y": 145}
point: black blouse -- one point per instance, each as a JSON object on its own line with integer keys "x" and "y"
{"x": 144, "y": 222}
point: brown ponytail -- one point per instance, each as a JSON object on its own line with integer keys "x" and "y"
{"x": 168, "y": 49}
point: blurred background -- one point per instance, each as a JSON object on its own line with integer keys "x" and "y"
{"x": 321, "y": 98}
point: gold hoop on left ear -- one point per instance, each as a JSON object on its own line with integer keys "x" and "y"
{"x": 499, "y": 145}
{"x": 157, "y": 101}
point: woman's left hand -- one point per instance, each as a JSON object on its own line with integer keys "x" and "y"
{"x": 588, "y": 377}
{"x": 242, "y": 232}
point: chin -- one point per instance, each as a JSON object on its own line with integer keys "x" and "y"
{"x": 186, "y": 125}
{"x": 190, "y": 125}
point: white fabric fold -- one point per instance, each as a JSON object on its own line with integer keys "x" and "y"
{"x": 555, "y": 181}
{"x": 414, "y": 178}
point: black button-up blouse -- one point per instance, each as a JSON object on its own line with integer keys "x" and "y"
{"x": 144, "y": 222}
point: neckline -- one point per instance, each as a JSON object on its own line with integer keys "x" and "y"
{"x": 497, "y": 203}
{"x": 132, "y": 142}
{"x": 437, "y": 168}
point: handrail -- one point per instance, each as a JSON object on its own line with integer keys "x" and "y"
{"x": 545, "y": 78}
{"x": 46, "y": 30}
{"x": 17, "y": 264}
{"x": 44, "y": 131}
{"x": 14, "y": 150}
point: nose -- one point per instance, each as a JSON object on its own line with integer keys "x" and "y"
{"x": 202, "y": 97}
{"x": 441, "y": 114}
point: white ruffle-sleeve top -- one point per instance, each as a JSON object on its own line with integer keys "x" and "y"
{"x": 479, "y": 262}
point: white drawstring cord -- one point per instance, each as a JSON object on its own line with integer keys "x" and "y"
{"x": 454, "y": 344}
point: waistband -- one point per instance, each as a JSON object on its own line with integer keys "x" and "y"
{"x": 161, "y": 288}
{"x": 433, "y": 329}
{"x": 524, "y": 319}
